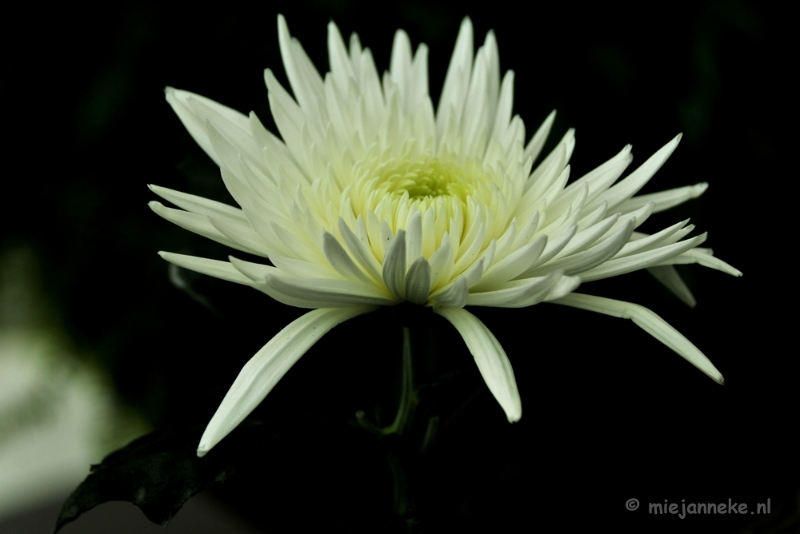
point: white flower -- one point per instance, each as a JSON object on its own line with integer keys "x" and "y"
{"x": 369, "y": 198}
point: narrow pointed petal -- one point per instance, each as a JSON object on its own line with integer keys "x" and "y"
{"x": 627, "y": 264}
{"x": 179, "y": 100}
{"x": 591, "y": 257}
{"x": 504, "y": 105}
{"x": 665, "y": 200}
{"x": 534, "y": 147}
{"x": 340, "y": 260}
{"x": 199, "y": 224}
{"x": 267, "y": 367}
{"x": 703, "y": 258}
{"x": 554, "y": 246}
{"x": 300, "y": 268}
{"x": 340, "y": 64}
{"x": 587, "y": 237}
{"x": 442, "y": 262}
{"x": 667, "y": 236}
{"x": 394, "y": 265}
{"x": 400, "y": 66}
{"x": 418, "y": 281}
{"x": 456, "y": 81}
{"x": 256, "y": 272}
{"x": 490, "y": 357}
{"x": 508, "y": 295}
{"x": 668, "y": 275}
{"x": 303, "y": 77}
{"x": 359, "y": 248}
{"x": 200, "y": 205}
{"x": 218, "y": 269}
{"x": 630, "y": 185}
{"x": 243, "y": 235}
{"x": 512, "y": 265}
{"x": 650, "y": 323}
{"x": 453, "y": 295}
{"x": 328, "y": 293}
{"x": 601, "y": 178}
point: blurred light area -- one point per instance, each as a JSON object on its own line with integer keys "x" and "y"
{"x": 58, "y": 411}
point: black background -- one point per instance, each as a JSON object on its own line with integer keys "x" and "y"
{"x": 609, "y": 413}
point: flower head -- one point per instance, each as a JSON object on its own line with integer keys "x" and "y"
{"x": 369, "y": 198}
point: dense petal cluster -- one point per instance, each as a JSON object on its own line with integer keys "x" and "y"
{"x": 369, "y": 198}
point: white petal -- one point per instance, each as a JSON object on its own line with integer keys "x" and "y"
{"x": 534, "y": 147}
{"x": 588, "y": 236}
{"x": 668, "y": 275}
{"x": 512, "y": 265}
{"x": 554, "y": 246}
{"x": 636, "y": 180}
{"x": 591, "y": 257}
{"x": 340, "y": 64}
{"x": 601, "y": 178}
{"x": 198, "y": 224}
{"x": 555, "y": 161}
{"x": 276, "y": 155}
{"x": 590, "y": 218}
{"x": 359, "y": 248}
{"x": 453, "y": 295}
{"x": 326, "y": 292}
{"x": 647, "y": 321}
{"x": 196, "y": 125}
{"x": 517, "y": 293}
{"x": 418, "y": 281}
{"x": 400, "y": 66}
{"x": 467, "y": 255}
{"x": 300, "y": 268}
{"x": 546, "y": 174}
{"x": 665, "y": 200}
{"x": 456, "y": 81}
{"x": 417, "y": 88}
{"x": 267, "y": 367}
{"x": 256, "y": 272}
{"x": 564, "y": 286}
{"x": 441, "y": 262}
{"x": 641, "y": 242}
{"x": 232, "y": 125}
{"x": 200, "y": 205}
{"x": 217, "y": 269}
{"x": 394, "y": 265}
{"x": 413, "y": 238}
{"x": 341, "y": 261}
{"x": 245, "y": 236}
{"x": 627, "y": 264}
{"x": 303, "y": 77}
{"x": 703, "y": 258}
{"x": 477, "y": 120}
{"x": 475, "y": 271}
{"x": 502, "y": 118}
{"x": 492, "y": 361}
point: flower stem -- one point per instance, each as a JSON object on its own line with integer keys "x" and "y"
{"x": 408, "y": 396}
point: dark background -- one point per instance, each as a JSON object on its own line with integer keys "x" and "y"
{"x": 609, "y": 413}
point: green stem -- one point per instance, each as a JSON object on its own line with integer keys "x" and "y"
{"x": 408, "y": 397}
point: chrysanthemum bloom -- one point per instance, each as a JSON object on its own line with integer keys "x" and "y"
{"x": 370, "y": 198}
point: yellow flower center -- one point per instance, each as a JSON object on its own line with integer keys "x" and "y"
{"x": 424, "y": 178}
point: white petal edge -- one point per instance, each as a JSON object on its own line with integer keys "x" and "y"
{"x": 267, "y": 367}
{"x": 200, "y": 205}
{"x": 490, "y": 357}
{"x": 669, "y": 277}
{"x": 218, "y": 269}
{"x": 647, "y": 321}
